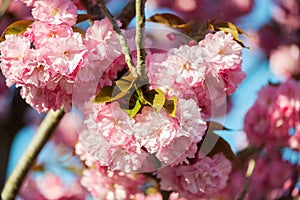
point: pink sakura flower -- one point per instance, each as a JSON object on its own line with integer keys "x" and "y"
{"x": 101, "y": 185}
{"x": 154, "y": 130}
{"x": 285, "y": 61}
{"x": 191, "y": 128}
{"x": 109, "y": 139}
{"x": 188, "y": 64}
{"x": 43, "y": 99}
{"x": 66, "y": 55}
{"x": 39, "y": 32}
{"x": 222, "y": 55}
{"x": 29, "y": 190}
{"x": 84, "y": 155}
{"x": 102, "y": 41}
{"x": 47, "y": 72}
{"x": 204, "y": 178}
{"x": 142, "y": 196}
{"x": 55, "y": 12}
{"x": 175, "y": 196}
{"x": 115, "y": 126}
{"x": 206, "y": 72}
{"x": 28, "y": 2}
{"x": 14, "y": 51}
{"x": 51, "y": 187}
{"x": 106, "y": 184}
{"x": 273, "y": 115}
{"x": 128, "y": 142}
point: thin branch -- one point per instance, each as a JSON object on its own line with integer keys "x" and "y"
{"x": 122, "y": 39}
{"x": 41, "y": 137}
{"x": 91, "y": 8}
{"x": 127, "y": 14}
{"x": 140, "y": 41}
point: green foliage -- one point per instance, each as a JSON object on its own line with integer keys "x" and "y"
{"x": 113, "y": 93}
{"x": 170, "y": 106}
{"x": 16, "y": 28}
{"x": 227, "y": 27}
{"x": 132, "y": 99}
{"x": 172, "y": 21}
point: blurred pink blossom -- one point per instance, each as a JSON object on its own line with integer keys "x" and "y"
{"x": 50, "y": 186}
{"x": 204, "y": 178}
{"x": 106, "y": 184}
{"x": 274, "y": 114}
{"x": 287, "y": 13}
{"x": 285, "y": 61}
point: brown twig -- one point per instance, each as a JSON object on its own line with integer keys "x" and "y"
{"x": 140, "y": 42}
{"x": 121, "y": 37}
{"x": 127, "y": 14}
{"x": 41, "y": 137}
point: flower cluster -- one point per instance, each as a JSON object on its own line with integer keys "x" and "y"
{"x": 204, "y": 178}
{"x": 51, "y": 186}
{"x": 273, "y": 120}
{"x": 56, "y": 64}
{"x": 45, "y": 59}
{"x": 206, "y": 72}
{"x": 130, "y": 142}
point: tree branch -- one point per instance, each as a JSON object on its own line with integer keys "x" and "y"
{"x": 140, "y": 41}
{"x": 121, "y": 37}
{"x": 127, "y": 14}
{"x": 41, "y": 137}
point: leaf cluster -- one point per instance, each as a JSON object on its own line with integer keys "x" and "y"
{"x": 133, "y": 98}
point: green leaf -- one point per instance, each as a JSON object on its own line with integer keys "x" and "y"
{"x": 126, "y": 82}
{"x": 167, "y": 19}
{"x": 170, "y": 106}
{"x": 132, "y": 112}
{"x": 113, "y": 93}
{"x": 227, "y": 27}
{"x": 172, "y": 20}
{"x": 18, "y": 27}
{"x": 155, "y": 98}
{"x": 104, "y": 95}
{"x": 159, "y": 100}
{"x": 109, "y": 94}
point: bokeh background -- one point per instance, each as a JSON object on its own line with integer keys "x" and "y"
{"x": 270, "y": 24}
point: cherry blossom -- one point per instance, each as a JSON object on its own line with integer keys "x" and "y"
{"x": 273, "y": 115}
{"x": 285, "y": 61}
{"x": 51, "y": 186}
{"x": 55, "y": 12}
{"x": 204, "y": 178}
{"x": 106, "y": 184}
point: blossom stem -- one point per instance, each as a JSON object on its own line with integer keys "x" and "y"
{"x": 127, "y": 13}
{"x": 41, "y": 137}
{"x": 121, "y": 37}
{"x": 140, "y": 41}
